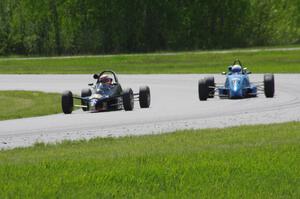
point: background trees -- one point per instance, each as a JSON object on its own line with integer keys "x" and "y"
{"x": 54, "y": 27}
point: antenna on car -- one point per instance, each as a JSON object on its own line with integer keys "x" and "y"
{"x": 237, "y": 61}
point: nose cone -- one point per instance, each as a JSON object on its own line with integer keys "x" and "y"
{"x": 236, "y": 90}
{"x": 236, "y": 93}
{"x": 235, "y": 87}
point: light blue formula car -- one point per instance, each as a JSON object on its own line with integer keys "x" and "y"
{"x": 237, "y": 85}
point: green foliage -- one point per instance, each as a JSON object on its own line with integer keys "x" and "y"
{"x": 54, "y": 27}
{"x": 280, "y": 17}
{"x": 20, "y": 104}
{"x": 185, "y": 62}
{"x": 242, "y": 162}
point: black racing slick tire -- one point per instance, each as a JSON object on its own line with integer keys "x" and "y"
{"x": 67, "y": 102}
{"x": 210, "y": 81}
{"x": 269, "y": 85}
{"x": 128, "y": 99}
{"x": 203, "y": 90}
{"x": 86, "y": 92}
{"x": 144, "y": 96}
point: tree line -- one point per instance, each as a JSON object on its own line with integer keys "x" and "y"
{"x": 56, "y": 27}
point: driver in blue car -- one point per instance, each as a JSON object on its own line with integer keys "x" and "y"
{"x": 236, "y": 69}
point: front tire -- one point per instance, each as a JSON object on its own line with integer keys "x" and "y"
{"x": 67, "y": 102}
{"x": 202, "y": 90}
{"x": 269, "y": 85}
{"x": 85, "y": 93}
{"x": 128, "y": 99}
{"x": 144, "y": 97}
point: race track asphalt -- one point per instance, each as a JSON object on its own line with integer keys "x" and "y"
{"x": 174, "y": 106}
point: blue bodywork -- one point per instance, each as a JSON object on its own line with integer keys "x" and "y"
{"x": 237, "y": 85}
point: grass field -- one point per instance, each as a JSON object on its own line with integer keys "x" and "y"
{"x": 242, "y": 162}
{"x": 20, "y": 104}
{"x": 188, "y": 62}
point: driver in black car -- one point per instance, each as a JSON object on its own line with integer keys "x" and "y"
{"x": 105, "y": 79}
{"x": 105, "y": 85}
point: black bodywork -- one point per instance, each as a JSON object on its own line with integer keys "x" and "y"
{"x": 106, "y": 97}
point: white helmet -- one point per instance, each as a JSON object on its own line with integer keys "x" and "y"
{"x": 105, "y": 79}
{"x": 236, "y": 68}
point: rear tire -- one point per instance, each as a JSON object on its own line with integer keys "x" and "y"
{"x": 128, "y": 99}
{"x": 67, "y": 102}
{"x": 144, "y": 97}
{"x": 210, "y": 81}
{"x": 86, "y": 92}
{"x": 202, "y": 90}
{"x": 269, "y": 85}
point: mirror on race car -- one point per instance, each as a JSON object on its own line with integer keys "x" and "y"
{"x": 96, "y": 76}
{"x": 91, "y": 84}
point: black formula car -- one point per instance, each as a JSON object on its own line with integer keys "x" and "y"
{"x": 106, "y": 95}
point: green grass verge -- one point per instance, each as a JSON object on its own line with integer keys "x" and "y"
{"x": 20, "y": 104}
{"x": 242, "y": 162}
{"x": 189, "y": 62}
